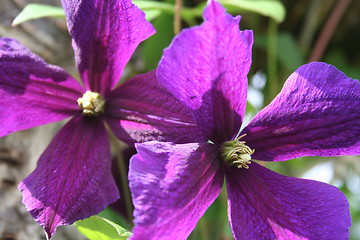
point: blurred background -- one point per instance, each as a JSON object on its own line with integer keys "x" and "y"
{"x": 287, "y": 33}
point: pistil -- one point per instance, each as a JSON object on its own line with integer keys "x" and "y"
{"x": 91, "y": 103}
{"x": 236, "y": 153}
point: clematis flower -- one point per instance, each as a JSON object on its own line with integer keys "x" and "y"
{"x": 316, "y": 114}
{"x": 73, "y": 179}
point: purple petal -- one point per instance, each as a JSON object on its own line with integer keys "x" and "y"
{"x": 206, "y": 68}
{"x": 105, "y": 35}
{"x": 32, "y": 92}
{"x": 72, "y": 180}
{"x": 266, "y": 205}
{"x": 142, "y": 110}
{"x": 172, "y": 186}
{"x": 317, "y": 113}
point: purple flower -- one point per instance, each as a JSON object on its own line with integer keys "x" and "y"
{"x": 73, "y": 180}
{"x": 316, "y": 113}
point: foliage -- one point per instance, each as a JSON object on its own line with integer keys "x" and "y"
{"x": 98, "y": 228}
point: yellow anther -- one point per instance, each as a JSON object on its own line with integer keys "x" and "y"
{"x": 91, "y": 103}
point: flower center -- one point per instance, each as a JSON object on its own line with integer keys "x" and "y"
{"x": 91, "y": 103}
{"x": 236, "y": 153}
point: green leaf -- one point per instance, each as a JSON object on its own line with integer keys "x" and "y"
{"x": 288, "y": 52}
{"x": 187, "y": 14}
{"x": 98, "y": 228}
{"x": 153, "y": 47}
{"x": 112, "y": 215}
{"x": 146, "y": 5}
{"x": 35, "y": 11}
{"x": 270, "y": 8}
{"x": 152, "y": 14}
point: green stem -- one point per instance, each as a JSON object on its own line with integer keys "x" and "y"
{"x": 223, "y": 217}
{"x": 203, "y": 229}
{"x": 124, "y": 183}
{"x": 311, "y": 23}
{"x": 177, "y": 16}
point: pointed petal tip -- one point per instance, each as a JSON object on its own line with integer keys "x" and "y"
{"x": 34, "y": 211}
{"x": 113, "y": 30}
{"x": 217, "y": 72}
{"x": 49, "y": 234}
{"x": 213, "y": 10}
{"x": 77, "y": 188}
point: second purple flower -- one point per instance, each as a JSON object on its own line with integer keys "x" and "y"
{"x": 316, "y": 114}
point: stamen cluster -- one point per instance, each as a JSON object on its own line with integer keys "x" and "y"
{"x": 91, "y": 103}
{"x": 236, "y": 153}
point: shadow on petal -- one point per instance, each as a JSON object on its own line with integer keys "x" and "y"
{"x": 72, "y": 180}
